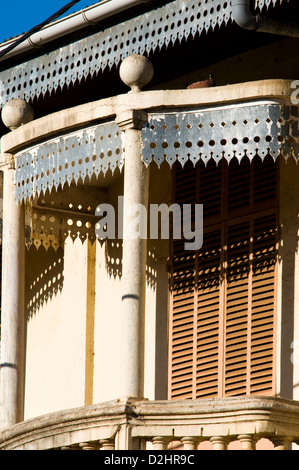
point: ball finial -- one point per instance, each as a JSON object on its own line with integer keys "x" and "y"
{"x": 16, "y": 112}
{"x": 136, "y": 71}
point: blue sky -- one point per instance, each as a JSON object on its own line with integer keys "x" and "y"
{"x": 19, "y": 16}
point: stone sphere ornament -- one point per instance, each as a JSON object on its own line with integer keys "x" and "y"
{"x": 15, "y": 113}
{"x": 136, "y": 71}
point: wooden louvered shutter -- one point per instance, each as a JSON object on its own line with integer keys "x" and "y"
{"x": 222, "y": 321}
{"x": 264, "y": 268}
{"x": 249, "y": 307}
{"x": 182, "y": 323}
{"x": 208, "y": 319}
{"x": 236, "y": 309}
{"x": 182, "y": 311}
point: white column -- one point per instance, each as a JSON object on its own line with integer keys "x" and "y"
{"x": 134, "y": 260}
{"x": 12, "y": 313}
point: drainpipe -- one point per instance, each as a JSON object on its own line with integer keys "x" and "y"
{"x": 89, "y": 16}
{"x": 256, "y": 22}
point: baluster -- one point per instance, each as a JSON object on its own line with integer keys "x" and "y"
{"x": 190, "y": 443}
{"x": 281, "y": 442}
{"x": 247, "y": 441}
{"x": 219, "y": 443}
{"x": 88, "y": 446}
{"x": 107, "y": 444}
{"x": 160, "y": 443}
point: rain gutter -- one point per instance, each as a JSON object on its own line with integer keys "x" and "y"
{"x": 88, "y": 16}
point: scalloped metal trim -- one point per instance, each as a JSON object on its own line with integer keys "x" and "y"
{"x": 69, "y": 158}
{"x": 226, "y": 132}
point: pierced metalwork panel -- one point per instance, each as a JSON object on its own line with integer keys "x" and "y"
{"x": 261, "y": 3}
{"x": 259, "y": 129}
{"x": 67, "y": 159}
{"x": 88, "y": 56}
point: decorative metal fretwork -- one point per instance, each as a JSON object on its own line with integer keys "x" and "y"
{"x": 69, "y": 158}
{"x": 86, "y": 57}
{"x": 227, "y": 132}
{"x": 267, "y": 3}
{"x": 224, "y": 132}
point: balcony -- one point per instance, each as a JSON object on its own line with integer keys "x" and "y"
{"x": 82, "y": 148}
{"x": 160, "y": 425}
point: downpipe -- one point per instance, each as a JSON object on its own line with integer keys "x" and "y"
{"x": 244, "y": 18}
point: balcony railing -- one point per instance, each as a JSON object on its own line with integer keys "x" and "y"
{"x": 160, "y": 425}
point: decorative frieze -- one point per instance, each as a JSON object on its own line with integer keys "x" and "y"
{"x": 223, "y": 132}
{"x": 267, "y": 3}
{"x": 68, "y": 158}
{"x": 211, "y": 133}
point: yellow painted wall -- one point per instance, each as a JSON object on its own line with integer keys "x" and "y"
{"x": 55, "y": 344}
{"x": 73, "y": 307}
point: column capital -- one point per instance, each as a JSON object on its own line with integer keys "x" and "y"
{"x": 7, "y": 160}
{"x": 89, "y": 446}
{"x": 131, "y": 119}
{"x": 190, "y": 442}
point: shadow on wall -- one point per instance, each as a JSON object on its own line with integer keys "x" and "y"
{"x": 44, "y": 276}
{"x": 44, "y": 270}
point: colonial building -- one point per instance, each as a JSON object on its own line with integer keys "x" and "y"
{"x": 185, "y": 335}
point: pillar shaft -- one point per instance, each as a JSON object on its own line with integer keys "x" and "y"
{"x": 134, "y": 262}
{"x": 12, "y": 314}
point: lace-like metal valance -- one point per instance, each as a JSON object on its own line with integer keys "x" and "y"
{"x": 68, "y": 159}
{"x": 267, "y": 3}
{"x": 86, "y": 57}
{"x": 257, "y": 129}
{"x": 213, "y": 133}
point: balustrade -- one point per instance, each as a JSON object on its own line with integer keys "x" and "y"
{"x": 221, "y": 424}
{"x": 158, "y": 443}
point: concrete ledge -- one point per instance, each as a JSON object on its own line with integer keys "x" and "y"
{"x": 227, "y": 417}
{"x": 65, "y": 428}
{"x": 204, "y": 419}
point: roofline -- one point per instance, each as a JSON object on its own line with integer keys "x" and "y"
{"x": 74, "y": 22}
